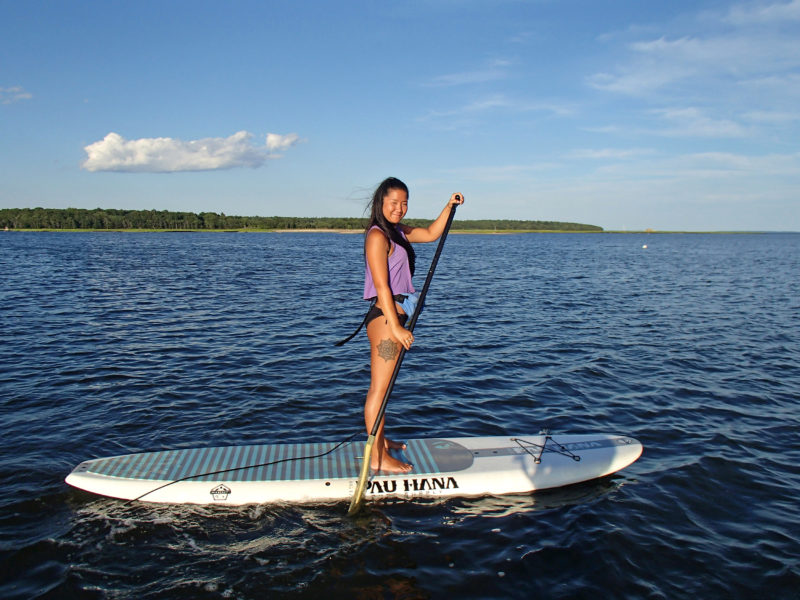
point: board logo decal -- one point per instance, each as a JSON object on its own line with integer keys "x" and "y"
{"x": 429, "y": 485}
{"x": 220, "y": 492}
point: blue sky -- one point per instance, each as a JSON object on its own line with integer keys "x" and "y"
{"x": 671, "y": 115}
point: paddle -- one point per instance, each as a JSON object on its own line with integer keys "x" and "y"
{"x": 358, "y": 496}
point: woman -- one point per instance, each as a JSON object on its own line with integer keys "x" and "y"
{"x": 389, "y": 268}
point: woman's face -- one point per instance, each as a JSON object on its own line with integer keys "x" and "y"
{"x": 395, "y": 205}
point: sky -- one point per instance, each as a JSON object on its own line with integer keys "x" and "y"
{"x": 668, "y": 115}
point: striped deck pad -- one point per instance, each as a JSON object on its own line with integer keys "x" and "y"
{"x": 275, "y": 462}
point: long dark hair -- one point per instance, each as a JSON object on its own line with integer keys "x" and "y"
{"x": 377, "y": 219}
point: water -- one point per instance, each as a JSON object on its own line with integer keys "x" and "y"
{"x": 116, "y": 343}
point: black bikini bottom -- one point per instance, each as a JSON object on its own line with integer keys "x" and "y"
{"x": 375, "y": 312}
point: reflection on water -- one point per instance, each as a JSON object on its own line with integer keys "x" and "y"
{"x": 503, "y": 506}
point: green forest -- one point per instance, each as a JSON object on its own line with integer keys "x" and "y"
{"x": 117, "y": 219}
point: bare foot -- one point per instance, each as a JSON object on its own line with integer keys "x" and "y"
{"x": 392, "y": 445}
{"x": 389, "y": 464}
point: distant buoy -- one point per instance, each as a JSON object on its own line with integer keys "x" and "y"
{"x": 645, "y": 246}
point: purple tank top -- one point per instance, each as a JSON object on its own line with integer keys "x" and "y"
{"x": 399, "y": 272}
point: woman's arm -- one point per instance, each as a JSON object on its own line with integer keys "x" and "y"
{"x": 434, "y": 231}
{"x": 377, "y": 252}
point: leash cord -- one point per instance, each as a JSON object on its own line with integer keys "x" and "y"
{"x": 231, "y": 470}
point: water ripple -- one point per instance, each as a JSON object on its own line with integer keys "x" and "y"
{"x": 118, "y": 343}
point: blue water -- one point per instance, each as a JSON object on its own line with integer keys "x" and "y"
{"x": 116, "y": 343}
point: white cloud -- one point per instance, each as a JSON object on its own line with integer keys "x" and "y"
{"x": 715, "y": 168}
{"x": 752, "y": 41}
{"x": 523, "y": 37}
{"x": 465, "y": 114}
{"x": 635, "y": 81}
{"x": 15, "y": 93}
{"x": 277, "y": 142}
{"x": 498, "y": 173}
{"x": 727, "y": 162}
{"x": 719, "y": 191}
{"x": 683, "y": 122}
{"x": 168, "y": 155}
{"x": 493, "y": 71}
{"x": 776, "y": 86}
{"x": 692, "y": 122}
{"x": 764, "y": 13}
{"x": 610, "y": 153}
{"x": 660, "y": 63}
{"x": 772, "y": 117}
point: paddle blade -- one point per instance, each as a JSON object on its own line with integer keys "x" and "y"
{"x": 358, "y": 496}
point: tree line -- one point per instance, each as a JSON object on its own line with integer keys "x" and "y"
{"x": 115, "y": 219}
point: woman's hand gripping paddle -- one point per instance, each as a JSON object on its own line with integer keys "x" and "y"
{"x": 358, "y": 496}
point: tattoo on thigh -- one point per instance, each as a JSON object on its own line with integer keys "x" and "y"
{"x": 388, "y": 350}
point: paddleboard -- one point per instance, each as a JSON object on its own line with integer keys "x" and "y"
{"x": 314, "y": 472}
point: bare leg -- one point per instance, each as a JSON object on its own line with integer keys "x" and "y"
{"x": 383, "y": 357}
{"x": 391, "y": 444}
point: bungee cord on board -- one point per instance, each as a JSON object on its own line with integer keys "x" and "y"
{"x": 528, "y": 446}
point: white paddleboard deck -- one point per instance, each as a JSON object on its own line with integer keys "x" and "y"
{"x": 316, "y": 472}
